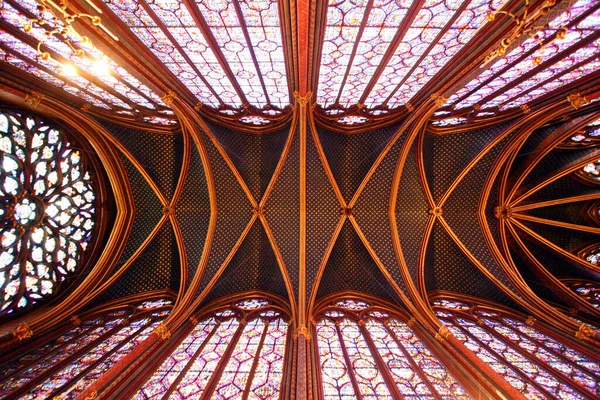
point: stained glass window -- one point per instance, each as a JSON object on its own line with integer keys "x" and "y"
{"x": 588, "y": 136}
{"x": 560, "y": 61}
{"x": 361, "y": 34}
{"x": 365, "y": 350}
{"x": 235, "y": 351}
{"x": 536, "y": 362}
{"x": 196, "y": 40}
{"x": 590, "y": 291}
{"x": 47, "y": 209}
{"x": 591, "y": 171}
{"x": 91, "y": 76}
{"x": 63, "y": 366}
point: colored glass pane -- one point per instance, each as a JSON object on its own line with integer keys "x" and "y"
{"x": 334, "y": 369}
{"x": 432, "y": 368}
{"x": 531, "y": 360}
{"x": 137, "y": 17}
{"x": 520, "y": 60}
{"x": 255, "y": 357}
{"x": 49, "y": 208}
{"x": 94, "y": 74}
{"x": 438, "y": 32}
{"x": 359, "y": 350}
{"x": 456, "y": 36}
{"x": 65, "y": 365}
{"x": 343, "y": 38}
{"x": 590, "y": 291}
{"x": 592, "y": 171}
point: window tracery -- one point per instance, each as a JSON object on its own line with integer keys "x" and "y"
{"x": 586, "y": 137}
{"x": 368, "y": 351}
{"x": 237, "y": 348}
{"x": 537, "y": 362}
{"x": 93, "y": 76}
{"x": 247, "y": 37}
{"x": 566, "y": 59}
{"x": 590, "y": 291}
{"x": 64, "y": 365}
{"x": 47, "y": 210}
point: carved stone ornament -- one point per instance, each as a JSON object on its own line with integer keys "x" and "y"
{"x": 22, "y": 332}
{"x": 169, "y": 97}
{"x": 302, "y": 100}
{"x": 585, "y": 332}
{"x": 75, "y": 320}
{"x": 411, "y": 321}
{"x": 438, "y": 99}
{"x": 577, "y": 100}
{"x": 436, "y": 211}
{"x": 303, "y": 330}
{"x": 193, "y": 320}
{"x": 502, "y": 212}
{"x": 530, "y": 321}
{"x": 162, "y": 331}
{"x": 442, "y": 334}
{"x": 34, "y": 98}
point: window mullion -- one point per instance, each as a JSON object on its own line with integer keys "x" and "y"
{"x": 191, "y": 361}
{"x": 216, "y": 376}
{"x": 389, "y": 380}
{"x": 255, "y": 361}
{"x": 70, "y": 384}
{"x": 412, "y": 362}
{"x": 348, "y": 363}
{"x": 558, "y": 376}
{"x": 500, "y": 357}
{"x": 43, "y": 357}
{"x": 53, "y": 369}
{"x": 549, "y": 349}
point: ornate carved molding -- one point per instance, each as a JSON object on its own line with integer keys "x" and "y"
{"x": 585, "y": 332}
{"x": 34, "y": 98}
{"x": 438, "y": 99}
{"x": 436, "y": 211}
{"x": 162, "y": 332}
{"x": 443, "y": 334}
{"x": 22, "y": 332}
{"x": 168, "y": 97}
{"x": 577, "y": 100}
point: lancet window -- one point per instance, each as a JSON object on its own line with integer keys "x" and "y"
{"x": 235, "y": 350}
{"x": 535, "y": 360}
{"x": 366, "y": 351}
{"x": 65, "y": 364}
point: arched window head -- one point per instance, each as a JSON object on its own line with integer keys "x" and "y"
{"x": 47, "y": 209}
{"x": 533, "y": 359}
{"x": 237, "y": 349}
{"x": 366, "y": 351}
{"x": 590, "y": 252}
{"x": 63, "y": 365}
{"x": 590, "y": 291}
{"x": 586, "y": 137}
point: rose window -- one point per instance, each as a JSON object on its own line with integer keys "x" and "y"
{"x": 47, "y": 208}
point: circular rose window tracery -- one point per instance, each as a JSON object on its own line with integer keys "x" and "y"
{"x": 47, "y": 209}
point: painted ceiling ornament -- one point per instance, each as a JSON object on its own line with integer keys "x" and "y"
{"x": 47, "y": 209}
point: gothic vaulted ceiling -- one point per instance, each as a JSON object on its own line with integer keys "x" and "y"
{"x": 303, "y": 148}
